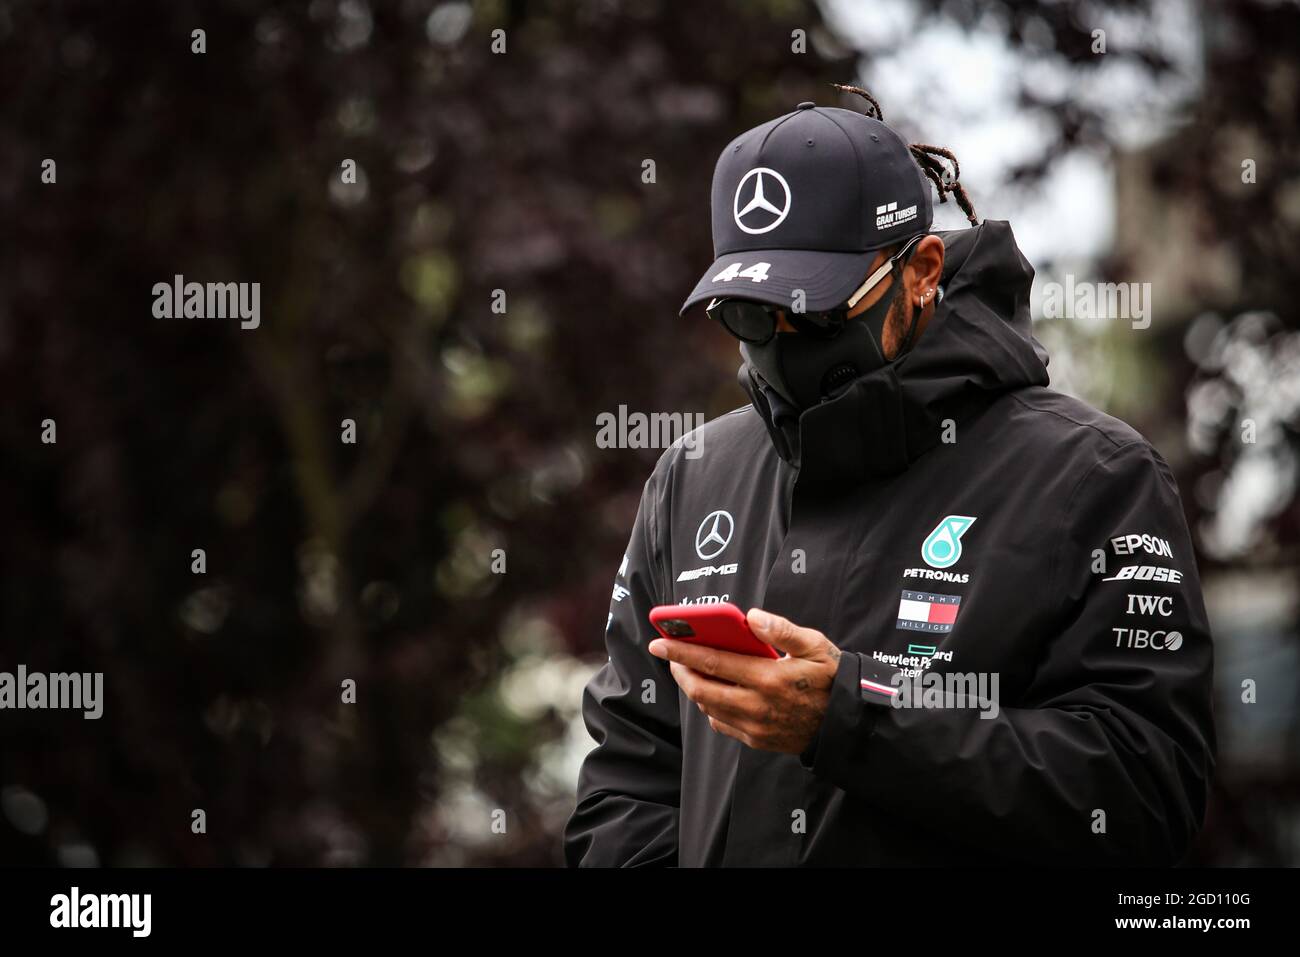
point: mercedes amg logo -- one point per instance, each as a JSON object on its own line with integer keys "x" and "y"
{"x": 768, "y": 197}
{"x": 714, "y": 534}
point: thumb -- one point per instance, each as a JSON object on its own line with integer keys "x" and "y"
{"x": 784, "y": 635}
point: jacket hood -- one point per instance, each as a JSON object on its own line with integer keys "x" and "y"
{"x": 978, "y": 345}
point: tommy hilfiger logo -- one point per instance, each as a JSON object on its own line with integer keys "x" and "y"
{"x": 927, "y": 611}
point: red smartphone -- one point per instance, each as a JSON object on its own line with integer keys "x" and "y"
{"x": 719, "y": 625}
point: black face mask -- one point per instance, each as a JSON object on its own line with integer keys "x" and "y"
{"x": 806, "y": 371}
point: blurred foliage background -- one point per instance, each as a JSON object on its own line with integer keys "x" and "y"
{"x": 521, "y": 171}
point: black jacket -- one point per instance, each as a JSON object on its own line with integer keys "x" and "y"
{"x": 1066, "y": 569}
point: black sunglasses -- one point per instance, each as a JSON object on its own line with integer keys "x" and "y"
{"x": 756, "y": 322}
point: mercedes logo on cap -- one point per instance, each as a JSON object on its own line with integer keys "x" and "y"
{"x": 714, "y": 534}
{"x": 765, "y": 196}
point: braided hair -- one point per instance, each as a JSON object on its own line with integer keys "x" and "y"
{"x": 929, "y": 158}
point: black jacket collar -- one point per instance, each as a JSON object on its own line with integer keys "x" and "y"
{"x": 978, "y": 346}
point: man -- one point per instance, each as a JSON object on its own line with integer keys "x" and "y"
{"x": 995, "y": 647}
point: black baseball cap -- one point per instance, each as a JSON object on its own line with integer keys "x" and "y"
{"x": 799, "y": 199}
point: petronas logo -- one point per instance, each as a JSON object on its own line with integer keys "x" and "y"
{"x": 942, "y": 547}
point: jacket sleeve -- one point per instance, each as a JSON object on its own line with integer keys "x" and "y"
{"x": 630, "y": 783}
{"x": 1106, "y": 758}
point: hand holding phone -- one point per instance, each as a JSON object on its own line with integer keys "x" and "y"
{"x": 720, "y": 625}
